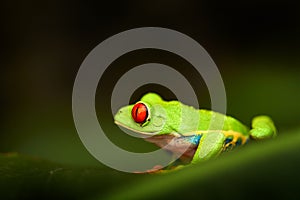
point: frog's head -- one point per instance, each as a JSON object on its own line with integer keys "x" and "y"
{"x": 148, "y": 116}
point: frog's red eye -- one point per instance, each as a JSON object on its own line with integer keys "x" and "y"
{"x": 139, "y": 113}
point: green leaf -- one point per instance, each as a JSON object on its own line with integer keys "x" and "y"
{"x": 268, "y": 169}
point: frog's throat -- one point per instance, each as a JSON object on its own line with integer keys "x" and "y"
{"x": 145, "y": 133}
{"x": 131, "y": 129}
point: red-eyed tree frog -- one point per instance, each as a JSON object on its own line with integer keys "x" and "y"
{"x": 187, "y": 130}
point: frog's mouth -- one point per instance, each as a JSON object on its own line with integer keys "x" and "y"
{"x": 173, "y": 142}
{"x": 133, "y": 132}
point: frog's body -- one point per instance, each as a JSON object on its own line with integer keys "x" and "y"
{"x": 185, "y": 130}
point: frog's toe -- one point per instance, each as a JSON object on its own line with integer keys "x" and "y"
{"x": 261, "y": 133}
{"x": 262, "y": 128}
{"x": 155, "y": 169}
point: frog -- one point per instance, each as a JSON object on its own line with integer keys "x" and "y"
{"x": 186, "y": 131}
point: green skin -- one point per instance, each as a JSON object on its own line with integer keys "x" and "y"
{"x": 172, "y": 119}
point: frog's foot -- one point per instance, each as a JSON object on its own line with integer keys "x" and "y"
{"x": 160, "y": 169}
{"x": 155, "y": 169}
{"x": 262, "y": 128}
{"x": 169, "y": 169}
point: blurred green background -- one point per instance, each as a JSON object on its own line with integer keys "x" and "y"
{"x": 255, "y": 45}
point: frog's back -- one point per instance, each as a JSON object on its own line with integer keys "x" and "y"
{"x": 230, "y": 124}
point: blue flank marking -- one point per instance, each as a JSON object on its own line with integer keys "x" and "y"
{"x": 248, "y": 140}
{"x": 238, "y": 142}
{"x": 194, "y": 139}
{"x": 227, "y": 140}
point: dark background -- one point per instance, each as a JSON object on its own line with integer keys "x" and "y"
{"x": 255, "y": 45}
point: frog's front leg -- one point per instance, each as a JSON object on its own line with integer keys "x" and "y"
{"x": 262, "y": 128}
{"x": 210, "y": 145}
